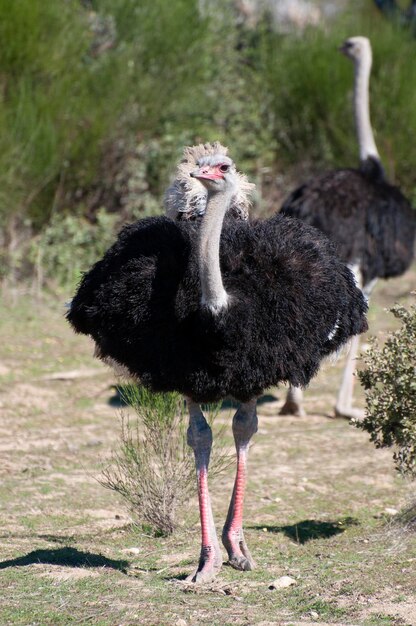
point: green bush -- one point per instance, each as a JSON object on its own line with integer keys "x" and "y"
{"x": 68, "y": 246}
{"x": 96, "y": 105}
{"x": 153, "y": 468}
{"x": 389, "y": 381}
{"x": 62, "y": 102}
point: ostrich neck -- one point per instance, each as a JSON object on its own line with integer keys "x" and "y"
{"x": 366, "y": 141}
{"x": 214, "y": 295}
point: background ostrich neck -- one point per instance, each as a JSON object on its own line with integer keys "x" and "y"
{"x": 362, "y": 108}
{"x": 214, "y": 295}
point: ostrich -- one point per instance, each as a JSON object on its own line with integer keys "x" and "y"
{"x": 392, "y": 10}
{"x": 215, "y": 309}
{"x": 371, "y": 222}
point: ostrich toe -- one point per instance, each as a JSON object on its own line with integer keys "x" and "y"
{"x": 349, "y": 413}
{"x": 239, "y": 556}
{"x": 209, "y": 565}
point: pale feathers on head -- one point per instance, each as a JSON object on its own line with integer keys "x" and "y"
{"x": 186, "y": 197}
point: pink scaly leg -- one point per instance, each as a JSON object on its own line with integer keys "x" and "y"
{"x": 244, "y": 427}
{"x": 200, "y": 440}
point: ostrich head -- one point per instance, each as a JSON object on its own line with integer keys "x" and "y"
{"x": 216, "y": 173}
{"x": 186, "y": 198}
{"x": 356, "y": 48}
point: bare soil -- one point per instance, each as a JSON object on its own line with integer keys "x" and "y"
{"x": 318, "y": 505}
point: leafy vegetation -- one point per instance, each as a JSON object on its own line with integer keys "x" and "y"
{"x": 391, "y": 391}
{"x": 98, "y": 98}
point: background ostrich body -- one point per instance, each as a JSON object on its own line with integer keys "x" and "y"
{"x": 370, "y": 221}
{"x": 141, "y": 305}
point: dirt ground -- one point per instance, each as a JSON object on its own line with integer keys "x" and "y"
{"x": 319, "y": 507}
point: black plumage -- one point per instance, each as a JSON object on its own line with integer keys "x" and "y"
{"x": 371, "y": 222}
{"x": 292, "y": 303}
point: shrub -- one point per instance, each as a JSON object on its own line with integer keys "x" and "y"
{"x": 153, "y": 468}
{"x": 65, "y": 93}
{"x": 68, "y": 246}
{"x": 76, "y": 83}
{"x": 389, "y": 381}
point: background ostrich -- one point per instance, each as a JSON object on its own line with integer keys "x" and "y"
{"x": 222, "y": 308}
{"x": 371, "y": 222}
{"x": 391, "y": 9}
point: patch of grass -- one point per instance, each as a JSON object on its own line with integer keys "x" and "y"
{"x": 306, "y": 474}
{"x": 381, "y": 620}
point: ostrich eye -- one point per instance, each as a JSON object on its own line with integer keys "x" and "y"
{"x": 224, "y": 168}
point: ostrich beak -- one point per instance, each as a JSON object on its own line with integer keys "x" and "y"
{"x": 205, "y": 173}
{"x": 344, "y": 48}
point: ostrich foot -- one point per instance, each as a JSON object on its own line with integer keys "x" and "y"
{"x": 209, "y": 565}
{"x": 349, "y": 413}
{"x": 292, "y": 408}
{"x": 239, "y": 555}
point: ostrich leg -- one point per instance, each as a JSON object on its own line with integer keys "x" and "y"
{"x": 200, "y": 440}
{"x": 293, "y": 403}
{"x": 244, "y": 427}
{"x": 343, "y": 406}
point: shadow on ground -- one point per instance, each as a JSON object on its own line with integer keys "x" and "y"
{"x": 66, "y": 556}
{"x": 309, "y": 529}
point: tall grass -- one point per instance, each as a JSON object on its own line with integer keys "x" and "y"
{"x": 60, "y": 103}
{"x": 173, "y": 75}
{"x": 309, "y": 85}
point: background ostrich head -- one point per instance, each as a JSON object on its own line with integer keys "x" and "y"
{"x": 356, "y": 48}
{"x": 186, "y": 198}
{"x": 216, "y": 173}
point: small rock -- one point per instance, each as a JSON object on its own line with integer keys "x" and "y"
{"x": 132, "y": 550}
{"x": 92, "y": 443}
{"x": 282, "y": 582}
{"x": 391, "y": 511}
{"x": 180, "y": 622}
{"x": 314, "y": 614}
{"x": 4, "y": 370}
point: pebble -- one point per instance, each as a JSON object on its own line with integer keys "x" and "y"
{"x": 282, "y": 583}
{"x": 391, "y": 511}
{"x": 132, "y": 550}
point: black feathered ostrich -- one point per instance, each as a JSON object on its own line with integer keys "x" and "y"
{"x": 371, "y": 222}
{"x": 220, "y": 308}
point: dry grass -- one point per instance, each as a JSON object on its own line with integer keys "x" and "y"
{"x": 316, "y": 503}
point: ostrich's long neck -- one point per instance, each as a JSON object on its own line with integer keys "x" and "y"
{"x": 366, "y": 141}
{"x": 214, "y": 295}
